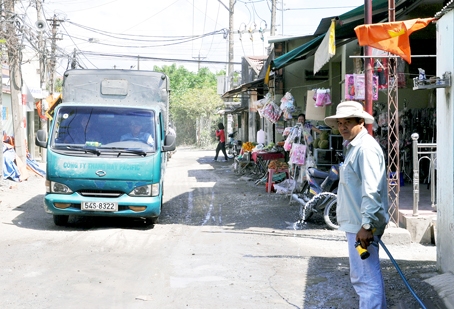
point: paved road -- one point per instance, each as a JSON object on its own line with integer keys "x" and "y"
{"x": 222, "y": 242}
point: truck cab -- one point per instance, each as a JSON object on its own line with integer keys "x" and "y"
{"x": 107, "y": 144}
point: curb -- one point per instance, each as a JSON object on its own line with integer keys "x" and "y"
{"x": 444, "y": 286}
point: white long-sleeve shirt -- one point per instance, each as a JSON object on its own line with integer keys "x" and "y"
{"x": 363, "y": 188}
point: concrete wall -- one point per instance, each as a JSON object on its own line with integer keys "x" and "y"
{"x": 445, "y": 147}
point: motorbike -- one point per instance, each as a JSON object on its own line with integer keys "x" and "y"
{"x": 233, "y": 146}
{"x": 319, "y": 194}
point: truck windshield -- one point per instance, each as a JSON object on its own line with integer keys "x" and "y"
{"x": 104, "y": 128}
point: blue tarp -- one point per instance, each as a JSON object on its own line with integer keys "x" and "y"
{"x": 10, "y": 169}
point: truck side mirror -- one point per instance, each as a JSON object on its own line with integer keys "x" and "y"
{"x": 169, "y": 142}
{"x": 41, "y": 139}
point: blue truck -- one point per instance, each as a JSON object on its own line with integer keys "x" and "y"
{"x": 107, "y": 145}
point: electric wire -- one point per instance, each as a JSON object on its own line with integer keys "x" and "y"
{"x": 153, "y": 58}
{"x": 128, "y": 36}
{"x": 204, "y": 23}
{"x": 151, "y": 46}
{"x": 159, "y": 12}
{"x": 63, "y": 26}
{"x": 215, "y": 25}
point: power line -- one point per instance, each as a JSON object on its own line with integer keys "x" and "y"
{"x": 154, "y": 58}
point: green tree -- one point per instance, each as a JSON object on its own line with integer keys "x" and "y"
{"x": 58, "y": 84}
{"x": 193, "y": 104}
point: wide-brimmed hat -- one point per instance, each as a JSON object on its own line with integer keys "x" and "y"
{"x": 349, "y": 109}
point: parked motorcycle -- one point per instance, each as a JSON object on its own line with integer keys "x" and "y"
{"x": 233, "y": 146}
{"x": 318, "y": 194}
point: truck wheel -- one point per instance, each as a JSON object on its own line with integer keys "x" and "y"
{"x": 330, "y": 215}
{"x": 61, "y": 220}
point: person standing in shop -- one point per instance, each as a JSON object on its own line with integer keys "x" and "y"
{"x": 307, "y": 125}
{"x": 220, "y": 136}
{"x": 307, "y": 129}
{"x": 362, "y": 201}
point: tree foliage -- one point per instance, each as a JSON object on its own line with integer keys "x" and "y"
{"x": 193, "y": 103}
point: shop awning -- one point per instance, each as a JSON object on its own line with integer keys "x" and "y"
{"x": 244, "y": 87}
{"x": 297, "y": 53}
{"x": 344, "y": 28}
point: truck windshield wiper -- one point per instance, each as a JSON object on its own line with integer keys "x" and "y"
{"x": 80, "y": 148}
{"x": 136, "y": 151}
{"x": 121, "y": 150}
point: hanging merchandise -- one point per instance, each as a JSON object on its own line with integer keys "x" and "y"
{"x": 268, "y": 109}
{"x": 355, "y": 87}
{"x": 272, "y": 112}
{"x": 322, "y": 97}
{"x": 381, "y": 71}
{"x": 298, "y": 154}
{"x": 294, "y": 134}
{"x": 313, "y": 112}
{"x": 307, "y": 127}
{"x": 260, "y": 104}
{"x": 287, "y": 105}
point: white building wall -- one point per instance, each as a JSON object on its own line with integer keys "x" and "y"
{"x": 445, "y": 146}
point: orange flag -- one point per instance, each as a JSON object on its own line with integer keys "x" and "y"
{"x": 393, "y": 37}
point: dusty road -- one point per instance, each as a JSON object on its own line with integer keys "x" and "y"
{"x": 221, "y": 242}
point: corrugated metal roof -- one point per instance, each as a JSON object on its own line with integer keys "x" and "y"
{"x": 256, "y": 62}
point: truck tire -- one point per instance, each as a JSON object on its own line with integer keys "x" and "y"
{"x": 152, "y": 220}
{"x": 61, "y": 220}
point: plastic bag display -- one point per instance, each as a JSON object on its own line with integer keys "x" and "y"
{"x": 307, "y": 134}
{"x": 272, "y": 112}
{"x": 298, "y": 154}
{"x": 293, "y": 134}
{"x": 322, "y": 97}
{"x": 260, "y": 104}
{"x": 310, "y": 161}
{"x": 287, "y": 131}
{"x": 287, "y": 105}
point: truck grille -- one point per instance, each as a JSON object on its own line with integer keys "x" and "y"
{"x": 100, "y": 193}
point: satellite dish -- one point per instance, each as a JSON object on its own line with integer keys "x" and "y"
{"x": 40, "y": 24}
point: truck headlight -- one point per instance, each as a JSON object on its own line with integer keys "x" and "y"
{"x": 148, "y": 190}
{"x": 56, "y": 187}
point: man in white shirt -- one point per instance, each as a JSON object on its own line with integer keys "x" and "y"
{"x": 362, "y": 201}
{"x": 136, "y": 134}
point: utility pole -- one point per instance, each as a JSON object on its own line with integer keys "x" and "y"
{"x": 42, "y": 69}
{"x": 74, "y": 60}
{"x": 198, "y": 63}
{"x": 273, "y": 17}
{"x": 55, "y": 24}
{"x": 231, "y": 41}
{"x": 15, "y": 81}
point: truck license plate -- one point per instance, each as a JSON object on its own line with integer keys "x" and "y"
{"x": 100, "y": 206}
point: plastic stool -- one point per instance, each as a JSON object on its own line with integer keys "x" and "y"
{"x": 270, "y": 177}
